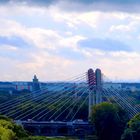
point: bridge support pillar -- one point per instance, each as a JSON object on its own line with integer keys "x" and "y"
{"x": 91, "y": 83}
{"x": 98, "y": 86}
{"x": 95, "y": 86}
{"x": 91, "y": 103}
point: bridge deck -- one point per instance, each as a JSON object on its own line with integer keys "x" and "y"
{"x": 58, "y": 128}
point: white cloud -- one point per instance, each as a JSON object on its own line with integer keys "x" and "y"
{"x": 40, "y": 61}
{"x": 8, "y": 48}
{"x": 44, "y": 42}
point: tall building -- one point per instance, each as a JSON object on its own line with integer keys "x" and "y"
{"x": 36, "y": 84}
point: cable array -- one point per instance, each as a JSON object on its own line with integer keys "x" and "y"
{"x": 37, "y": 105}
{"x": 121, "y": 101}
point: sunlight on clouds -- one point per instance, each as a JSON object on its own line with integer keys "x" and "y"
{"x": 47, "y": 66}
{"x": 48, "y": 47}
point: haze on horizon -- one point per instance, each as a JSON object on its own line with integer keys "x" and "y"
{"x": 58, "y": 39}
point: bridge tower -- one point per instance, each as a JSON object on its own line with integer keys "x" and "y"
{"x": 92, "y": 83}
{"x": 95, "y": 86}
{"x": 98, "y": 75}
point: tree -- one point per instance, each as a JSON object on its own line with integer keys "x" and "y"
{"x": 9, "y": 130}
{"x": 132, "y": 132}
{"x": 6, "y": 134}
{"x": 35, "y": 138}
{"x": 109, "y": 120}
{"x": 2, "y": 117}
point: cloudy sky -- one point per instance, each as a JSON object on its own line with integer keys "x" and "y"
{"x": 58, "y": 39}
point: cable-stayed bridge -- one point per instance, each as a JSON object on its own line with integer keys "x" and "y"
{"x": 69, "y": 101}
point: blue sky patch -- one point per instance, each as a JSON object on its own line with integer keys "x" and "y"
{"x": 104, "y": 44}
{"x": 13, "y": 41}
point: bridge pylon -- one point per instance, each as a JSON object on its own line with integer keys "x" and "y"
{"x": 95, "y": 86}
{"x": 98, "y": 75}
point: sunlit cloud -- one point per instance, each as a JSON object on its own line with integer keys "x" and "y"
{"x": 58, "y": 39}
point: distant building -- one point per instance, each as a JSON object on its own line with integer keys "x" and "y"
{"x": 7, "y": 86}
{"x": 19, "y": 85}
{"x": 131, "y": 86}
{"x": 36, "y": 84}
{"x": 22, "y": 85}
{"x": 110, "y": 85}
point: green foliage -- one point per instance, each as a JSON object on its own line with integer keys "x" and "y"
{"x": 6, "y": 134}
{"x": 4, "y": 96}
{"x": 127, "y": 135}
{"x": 132, "y": 132}
{"x": 9, "y": 130}
{"x": 48, "y": 138}
{"x": 93, "y": 137}
{"x": 34, "y": 138}
{"x": 109, "y": 121}
{"x": 2, "y": 117}
{"x": 6, "y": 124}
{"x": 19, "y": 131}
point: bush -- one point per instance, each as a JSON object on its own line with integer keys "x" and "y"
{"x": 132, "y": 132}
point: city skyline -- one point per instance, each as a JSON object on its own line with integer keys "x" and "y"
{"x": 58, "y": 39}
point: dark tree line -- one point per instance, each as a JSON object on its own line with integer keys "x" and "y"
{"x": 112, "y": 123}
